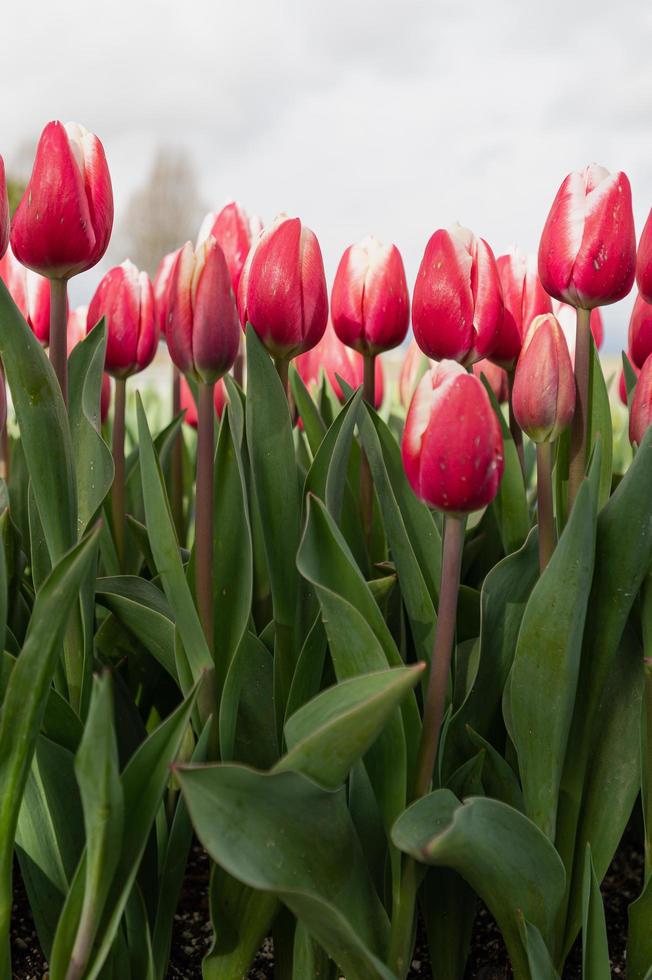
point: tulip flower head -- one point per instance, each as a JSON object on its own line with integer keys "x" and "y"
{"x": 640, "y": 332}
{"x": 457, "y": 307}
{"x": 543, "y": 395}
{"x": 415, "y": 364}
{"x": 370, "y": 303}
{"x": 161, "y": 286}
{"x": 587, "y": 253}
{"x": 334, "y": 358}
{"x": 31, "y": 294}
{"x": 640, "y": 415}
{"x": 4, "y": 212}
{"x": 524, "y": 298}
{"x": 496, "y": 376}
{"x": 282, "y": 291}
{"x": 63, "y": 223}
{"x": 235, "y": 232}
{"x": 126, "y": 298}
{"x": 452, "y": 443}
{"x": 644, "y": 261}
{"x": 202, "y": 331}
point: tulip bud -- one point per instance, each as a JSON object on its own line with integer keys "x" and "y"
{"x": 640, "y": 414}
{"x": 235, "y": 232}
{"x": 524, "y": 298}
{"x": 4, "y": 214}
{"x": 457, "y": 308}
{"x": 282, "y": 291}
{"x": 333, "y": 358}
{"x": 644, "y": 261}
{"x": 496, "y": 376}
{"x": 161, "y": 286}
{"x": 640, "y": 332}
{"x": 415, "y": 364}
{"x": 31, "y": 294}
{"x": 63, "y": 223}
{"x": 202, "y": 332}
{"x": 543, "y": 395}
{"x": 126, "y": 298}
{"x": 452, "y": 443}
{"x": 188, "y": 403}
{"x": 566, "y": 317}
{"x": 587, "y": 254}
{"x": 370, "y": 304}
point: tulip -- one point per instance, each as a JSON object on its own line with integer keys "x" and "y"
{"x": 63, "y": 223}
{"x": 453, "y": 457}
{"x": 235, "y": 232}
{"x": 587, "y": 257}
{"x": 644, "y": 261}
{"x": 567, "y": 318}
{"x": 333, "y": 358}
{"x": 640, "y": 413}
{"x": 31, "y": 294}
{"x": 282, "y": 292}
{"x": 640, "y": 332}
{"x": 203, "y": 336}
{"x": 524, "y": 298}
{"x": 4, "y": 210}
{"x": 189, "y": 405}
{"x": 457, "y": 307}
{"x": 161, "y": 288}
{"x": 496, "y": 376}
{"x": 415, "y": 364}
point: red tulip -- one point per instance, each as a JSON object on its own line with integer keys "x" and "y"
{"x": 334, "y": 358}
{"x": 63, "y": 223}
{"x": 203, "y": 332}
{"x": 161, "y": 286}
{"x": 457, "y": 308}
{"x": 370, "y": 304}
{"x": 31, "y": 294}
{"x": 235, "y": 232}
{"x": 566, "y": 316}
{"x": 640, "y": 332}
{"x": 640, "y": 414}
{"x": 220, "y": 400}
{"x": 4, "y": 215}
{"x": 543, "y": 395}
{"x": 496, "y": 376}
{"x": 587, "y": 254}
{"x": 644, "y": 261}
{"x": 282, "y": 291}
{"x": 452, "y": 443}
{"x": 524, "y": 298}
{"x": 415, "y": 364}
{"x": 126, "y": 298}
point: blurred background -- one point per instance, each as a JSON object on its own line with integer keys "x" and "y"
{"x": 356, "y": 115}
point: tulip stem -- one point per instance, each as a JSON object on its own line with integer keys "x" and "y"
{"x": 440, "y": 663}
{"x": 59, "y": 333}
{"x": 366, "y": 481}
{"x": 176, "y": 462}
{"x": 544, "y": 504}
{"x": 514, "y": 427}
{"x": 238, "y": 366}
{"x": 118, "y": 490}
{"x": 580, "y": 423}
{"x": 283, "y": 370}
{"x": 204, "y": 509}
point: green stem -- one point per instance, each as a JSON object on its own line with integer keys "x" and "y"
{"x": 176, "y": 462}
{"x": 204, "y": 509}
{"x": 580, "y": 423}
{"x": 118, "y": 490}
{"x": 544, "y": 504}
{"x": 59, "y": 333}
{"x": 366, "y": 481}
{"x": 283, "y": 370}
{"x": 514, "y": 427}
{"x": 238, "y": 367}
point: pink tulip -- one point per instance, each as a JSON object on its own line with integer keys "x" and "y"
{"x": 457, "y": 307}
{"x": 220, "y": 400}
{"x": 496, "y": 376}
{"x": 640, "y": 414}
{"x": 415, "y": 364}
{"x": 333, "y": 358}
{"x": 587, "y": 253}
{"x": 452, "y": 443}
{"x": 161, "y": 286}
{"x": 76, "y": 327}
{"x": 31, "y": 294}
{"x": 543, "y": 395}
{"x": 640, "y": 332}
{"x": 126, "y": 298}
{"x": 524, "y": 298}
{"x": 203, "y": 332}
{"x": 370, "y": 303}
{"x": 235, "y": 232}
{"x": 282, "y": 291}
{"x": 63, "y": 223}
{"x": 644, "y": 261}
{"x": 4, "y": 215}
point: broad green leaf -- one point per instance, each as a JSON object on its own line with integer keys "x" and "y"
{"x": 498, "y": 777}
{"x": 140, "y": 606}
{"x": 595, "y": 951}
{"x": 139, "y": 939}
{"x": 281, "y": 833}
{"x": 505, "y": 858}
{"x": 247, "y": 723}
{"x": 639, "y": 939}
{"x": 539, "y": 959}
{"x": 241, "y": 918}
{"x": 329, "y": 734}
{"x": 309, "y": 960}
{"x": 25, "y": 700}
{"x": 313, "y": 424}
{"x": 449, "y": 910}
{"x": 327, "y": 476}
{"x": 310, "y": 668}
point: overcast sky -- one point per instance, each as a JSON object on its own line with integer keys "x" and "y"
{"x": 356, "y": 115}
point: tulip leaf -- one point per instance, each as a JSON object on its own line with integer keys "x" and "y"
{"x": 639, "y": 939}
{"x": 241, "y": 918}
{"x": 449, "y": 910}
{"x": 630, "y": 378}
{"x": 313, "y": 424}
{"x": 502, "y": 854}
{"x": 600, "y": 427}
{"x": 281, "y": 833}
{"x": 326, "y": 478}
{"x": 538, "y": 956}
{"x": 310, "y": 667}
{"x": 143, "y": 609}
{"x": 595, "y": 951}
{"x": 246, "y": 724}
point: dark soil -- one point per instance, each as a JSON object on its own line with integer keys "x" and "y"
{"x": 488, "y": 960}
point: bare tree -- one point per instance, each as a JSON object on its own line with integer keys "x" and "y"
{"x": 163, "y": 213}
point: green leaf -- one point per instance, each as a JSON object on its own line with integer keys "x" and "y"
{"x": 510, "y": 503}
{"x": 247, "y": 724}
{"x": 310, "y": 668}
{"x": 539, "y": 959}
{"x": 639, "y": 940}
{"x": 505, "y": 858}
{"x": 241, "y": 918}
{"x": 313, "y": 424}
{"x": 600, "y": 427}
{"x": 630, "y": 378}
{"x": 329, "y": 734}
{"x": 281, "y": 833}
{"x": 449, "y": 909}
{"x": 595, "y": 951}
{"x": 327, "y": 476}
{"x": 143, "y": 609}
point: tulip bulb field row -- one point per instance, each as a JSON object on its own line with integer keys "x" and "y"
{"x": 384, "y": 650}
